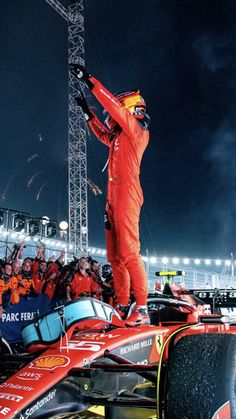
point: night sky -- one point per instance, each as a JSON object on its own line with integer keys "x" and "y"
{"x": 182, "y": 55}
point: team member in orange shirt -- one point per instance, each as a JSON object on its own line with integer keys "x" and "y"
{"x": 9, "y": 283}
{"x": 127, "y": 137}
{"x": 25, "y": 279}
{"x": 41, "y": 271}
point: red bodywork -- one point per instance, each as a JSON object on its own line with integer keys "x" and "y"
{"x": 80, "y": 347}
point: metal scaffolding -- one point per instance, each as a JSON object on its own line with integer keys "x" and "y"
{"x": 77, "y": 150}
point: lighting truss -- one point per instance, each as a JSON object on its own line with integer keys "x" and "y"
{"x": 77, "y": 150}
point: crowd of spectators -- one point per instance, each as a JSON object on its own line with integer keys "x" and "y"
{"x": 28, "y": 277}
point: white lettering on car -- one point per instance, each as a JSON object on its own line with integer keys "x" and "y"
{"x": 4, "y": 410}
{"x": 13, "y": 397}
{"x": 84, "y": 345}
{"x": 16, "y": 386}
{"x": 30, "y": 376}
{"x": 40, "y": 403}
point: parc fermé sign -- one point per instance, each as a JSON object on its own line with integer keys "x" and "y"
{"x": 15, "y": 316}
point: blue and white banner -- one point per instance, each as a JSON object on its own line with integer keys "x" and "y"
{"x": 16, "y": 316}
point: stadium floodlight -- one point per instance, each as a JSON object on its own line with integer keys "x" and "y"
{"x": 93, "y": 250}
{"x": 18, "y": 222}
{"x": 218, "y": 262}
{"x": 103, "y": 252}
{"x": 207, "y": 262}
{"x": 197, "y": 261}
{"x": 175, "y": 261}
{"x": 32, "y": 227}
{"x": 227, "y": 263}
{"x": 50, "y": 230}
{"x": 63, "y": 225}
{"x": 153, "y": 260}
{"x": 145, "y": 258}
{"x": 164, "y": 260}
{"x": 186, "y": 261}
{"x": 45, "y": 220}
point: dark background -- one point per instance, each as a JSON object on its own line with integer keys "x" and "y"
{"x": 181, "y": 54}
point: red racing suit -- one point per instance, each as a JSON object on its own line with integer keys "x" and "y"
{"x": 81, "y": 284}
{"x": 125, "y": 197}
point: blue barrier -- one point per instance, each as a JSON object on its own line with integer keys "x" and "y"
{"x": 16, "y": 316}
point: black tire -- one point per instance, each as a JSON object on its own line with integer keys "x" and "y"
{"x": 201, "y": 376}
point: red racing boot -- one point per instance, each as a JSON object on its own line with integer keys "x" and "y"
{"x": 138, "y": 316}
{"x": 122, "y": 310}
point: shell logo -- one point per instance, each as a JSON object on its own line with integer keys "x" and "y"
{"x": 50, "y": 362}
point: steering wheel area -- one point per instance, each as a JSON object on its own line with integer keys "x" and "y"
{"x": 164, "y": 308}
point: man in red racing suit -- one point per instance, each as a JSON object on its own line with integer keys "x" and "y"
{"x": 127, "y": 137}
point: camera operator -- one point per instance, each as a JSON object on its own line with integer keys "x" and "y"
{"x": 108, "y": 285}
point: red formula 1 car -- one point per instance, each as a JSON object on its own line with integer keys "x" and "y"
{"x": 81, "y": 356}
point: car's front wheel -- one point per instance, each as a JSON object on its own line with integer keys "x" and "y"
{"x": 201, "y": 378}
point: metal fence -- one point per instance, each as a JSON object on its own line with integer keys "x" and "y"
{"x": 193, "y": 278}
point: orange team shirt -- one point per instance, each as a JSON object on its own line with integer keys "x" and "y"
{"x": 81, "y": 283}
{"x": 39, "y": 280}
{"x": 26, "y": 284}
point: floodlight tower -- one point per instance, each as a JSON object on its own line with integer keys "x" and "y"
{"x": 77, "y": 150}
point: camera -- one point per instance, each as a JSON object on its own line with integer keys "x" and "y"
{"x": 106, "y": 271}
{"x": 89, "y": 259}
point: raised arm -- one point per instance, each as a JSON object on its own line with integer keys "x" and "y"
{"x": 110, "y": 103}
{"x": 101, "y": 132}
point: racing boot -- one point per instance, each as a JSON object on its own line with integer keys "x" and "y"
{"x": 138, "y": 316}
{"x": 122, "y": 310}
